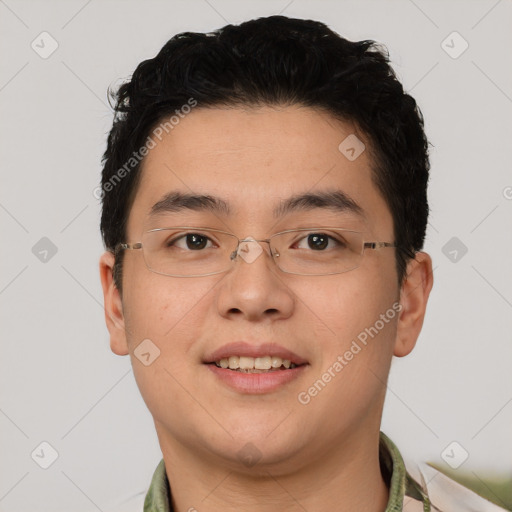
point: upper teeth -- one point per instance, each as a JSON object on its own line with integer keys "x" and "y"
{"x": 258, "y": 363}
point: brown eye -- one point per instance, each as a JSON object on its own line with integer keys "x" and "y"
{"x": 318, "y": 241}
{"x": 190, "y": 242}
{"x": 195, "y": 241}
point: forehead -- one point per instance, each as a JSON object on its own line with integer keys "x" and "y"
{"x": 255, "y": 159}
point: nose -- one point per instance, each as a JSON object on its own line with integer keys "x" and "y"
{"x": 254, "y": 289}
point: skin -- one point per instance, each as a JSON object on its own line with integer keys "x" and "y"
{"x": 319, "y": 456}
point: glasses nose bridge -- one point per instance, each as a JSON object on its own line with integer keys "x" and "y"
{"x": 250, "y": 239}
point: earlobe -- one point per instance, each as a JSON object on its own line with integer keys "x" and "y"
{"x": 414, "y": 295}
{"x": 114, "y": 317}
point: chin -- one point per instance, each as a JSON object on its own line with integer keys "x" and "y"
{"x": 259, "y": 447}
{"x": 256, "y": 459}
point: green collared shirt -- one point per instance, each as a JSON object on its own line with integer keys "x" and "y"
{"x": 402, "y": 487}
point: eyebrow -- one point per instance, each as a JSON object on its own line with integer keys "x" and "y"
{"x": 178, "y": 201}
{"x": 335, "y": 200}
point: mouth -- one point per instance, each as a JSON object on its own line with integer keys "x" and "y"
{"x": 265, "y": 364}
{"x": 255, "y": 369}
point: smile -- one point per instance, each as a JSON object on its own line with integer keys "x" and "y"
{"x": 263, "y": 364}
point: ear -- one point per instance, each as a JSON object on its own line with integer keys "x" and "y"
{"x": 414, "y": 295}
{"x": 114, "y": 317}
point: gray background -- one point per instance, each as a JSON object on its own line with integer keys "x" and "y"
{"x": 59, "y": 381}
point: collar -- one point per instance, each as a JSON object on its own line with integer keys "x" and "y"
{"x": 401, "y": 485}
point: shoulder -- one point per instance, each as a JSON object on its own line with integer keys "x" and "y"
{"x": 418, "y": 488}
{"x": 444, "y": 493}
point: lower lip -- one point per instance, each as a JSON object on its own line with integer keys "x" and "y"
{"x": 256, "y": 383}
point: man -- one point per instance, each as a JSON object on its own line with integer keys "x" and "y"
{"x": 264, "y": 211}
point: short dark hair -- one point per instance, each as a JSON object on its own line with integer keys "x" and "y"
{"x": 275, "y": 61}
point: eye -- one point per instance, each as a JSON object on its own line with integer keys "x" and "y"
{"x": 319, "y": 242}
{"x": 190, "y": 241}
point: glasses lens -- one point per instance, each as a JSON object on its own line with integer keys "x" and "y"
{"x": 187, "y": 252}
{"x": 318, "y": 251}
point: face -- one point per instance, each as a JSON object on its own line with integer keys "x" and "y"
{"x": 340, "y": 330}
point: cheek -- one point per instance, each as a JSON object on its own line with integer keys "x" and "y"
{"x": 163, "y": 308}
{"x": 354, "y": 338}
{"x": 164, "y": 318}
{"x": 353, "y": 310}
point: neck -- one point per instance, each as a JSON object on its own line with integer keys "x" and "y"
{"x": 346, "y": 477}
